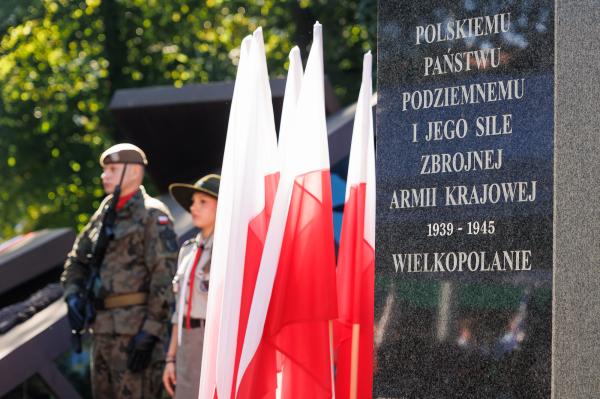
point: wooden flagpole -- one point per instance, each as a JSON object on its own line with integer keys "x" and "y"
{"x": 354, "y": 361}
{"x": 331, "y": 358}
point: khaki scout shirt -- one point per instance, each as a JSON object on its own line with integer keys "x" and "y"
{"x": 140, "y": 258}
{"x": 181, "y": 282}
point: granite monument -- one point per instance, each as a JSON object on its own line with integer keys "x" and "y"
{"x": 465, "y": 158}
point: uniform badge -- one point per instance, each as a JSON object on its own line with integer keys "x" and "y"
{"x": 162, "y": 219}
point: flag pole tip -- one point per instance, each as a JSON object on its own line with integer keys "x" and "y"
{"x": 317, "y": 30}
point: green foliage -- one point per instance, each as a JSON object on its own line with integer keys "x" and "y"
{"x": 61, "y": 60}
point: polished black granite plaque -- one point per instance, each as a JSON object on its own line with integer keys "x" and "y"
{"x": 463, "y": 297}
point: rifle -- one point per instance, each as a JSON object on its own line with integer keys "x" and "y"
{"x": 105, "y": 234}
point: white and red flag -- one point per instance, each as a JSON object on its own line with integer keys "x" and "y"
{"x": 249, "y": 178}
{"x": 295, "y": 296}
{"x": 257, "y": 367}
{"x": 356, "y": 256}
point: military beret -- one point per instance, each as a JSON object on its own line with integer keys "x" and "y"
{"x": 123, "y": 153}
{"x": 182, "y": 193}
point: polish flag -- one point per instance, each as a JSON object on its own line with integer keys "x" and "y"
{"x": 258, "y": 365}
{"x": 295, "y": 296}
{"x": 356, "y": 256}
{"x": 249, "y": 180}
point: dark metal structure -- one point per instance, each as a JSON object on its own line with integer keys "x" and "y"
{"x": 29, "y": 348}
{"x": 183, "y": 130}
{"x": 32, "y": 255}
{"x": 32, "y": 347}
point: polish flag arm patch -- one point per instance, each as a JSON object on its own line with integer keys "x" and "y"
{"x": 162, "y": 219}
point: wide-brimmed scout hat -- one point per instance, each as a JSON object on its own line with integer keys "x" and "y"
{"x": 182, "y": 193}
{"x": 123, "y": 153}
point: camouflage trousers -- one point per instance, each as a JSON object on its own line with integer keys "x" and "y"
{"x": 111, "y": 379}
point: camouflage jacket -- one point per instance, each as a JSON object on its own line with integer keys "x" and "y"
{"x": 140, "y": 258}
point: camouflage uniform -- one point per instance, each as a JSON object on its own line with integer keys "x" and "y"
{"x": 140, "y": 258}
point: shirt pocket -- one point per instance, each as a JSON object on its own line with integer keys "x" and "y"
{"x": 201, "y": 281}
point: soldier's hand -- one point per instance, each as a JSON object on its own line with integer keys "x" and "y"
{"x": 140, "y": 351}
{"x": 169, "y": 378}
{"x": 76, "y": 311}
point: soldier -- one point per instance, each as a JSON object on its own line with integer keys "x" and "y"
{"x": 132, "y": 291}
{"x": 190, "y": 285}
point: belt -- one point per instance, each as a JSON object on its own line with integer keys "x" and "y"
{"x": 123, "y": 300}
{"x": 196, "y": 323}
